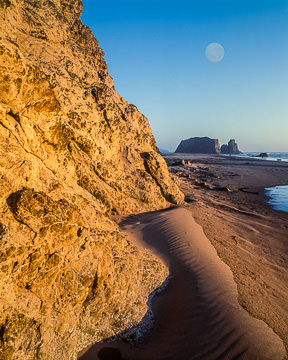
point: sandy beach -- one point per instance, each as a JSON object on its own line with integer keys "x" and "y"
{"x": 226, "y": 248}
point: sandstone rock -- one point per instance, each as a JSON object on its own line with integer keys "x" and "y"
{"x": 72, "y": 152}
{"x": 231, "y": 148}
{"x": 156, "y": 167}
{"x": 202, "y": 145}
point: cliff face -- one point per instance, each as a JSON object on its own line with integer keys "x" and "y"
{"x": 202, "y": 145}
{"x": 73, "y": 152}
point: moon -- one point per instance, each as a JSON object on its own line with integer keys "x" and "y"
{"x": 214, "y": 52}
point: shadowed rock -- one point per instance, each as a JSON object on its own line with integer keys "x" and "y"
{"x": 263, "y": 155}
{"x": 109, "y": 353}
{"x": 231, "y": 148}
{"x": 202, "y": 145}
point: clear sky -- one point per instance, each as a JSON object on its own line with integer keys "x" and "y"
{"x": 155, "y": 51}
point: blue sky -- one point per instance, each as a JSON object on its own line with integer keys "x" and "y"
{"x": 155, "y": 51}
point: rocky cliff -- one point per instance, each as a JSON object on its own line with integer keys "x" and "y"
{"x": 230, "y": 148}
{"x": 202, "y": 145}
{"x": 72, "y": 153}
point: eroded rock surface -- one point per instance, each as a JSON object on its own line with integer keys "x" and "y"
{"x": 72, "y": 153}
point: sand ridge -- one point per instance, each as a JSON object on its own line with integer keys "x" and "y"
{"x": 198, "y": 316}
{"x": 248, "y": 235}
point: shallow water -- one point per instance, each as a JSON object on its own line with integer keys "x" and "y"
{"x": 272, "y": 156}
{"x": 278, "y": 197}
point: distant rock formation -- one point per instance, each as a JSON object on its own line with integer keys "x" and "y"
{"x": 73, "y": 152}
{"x": 231, "y": 148}
{"x": 205, "y": 145}
{"x": 200, "y": 145}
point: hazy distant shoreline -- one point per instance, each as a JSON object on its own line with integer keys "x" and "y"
{"x": 272, "y": 156}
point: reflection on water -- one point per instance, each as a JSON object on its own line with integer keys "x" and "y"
{"x": 278, "y": 197}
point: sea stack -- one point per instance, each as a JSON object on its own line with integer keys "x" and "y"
{"x": 73, "y": 153}
{"x": 201, "y": 145}
{"x": 231, "y": 148}
{"x": 205, "y": 145}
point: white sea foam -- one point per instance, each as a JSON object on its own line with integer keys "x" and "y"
{"x": 280, "y": 156}
{"x": 272, "y": 156}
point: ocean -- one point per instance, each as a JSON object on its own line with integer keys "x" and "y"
{"x": 278, "y": 197}
{"x": 278, "y": 194}
{"x": 272, "y": 156}
{"x": 280, "y": 156}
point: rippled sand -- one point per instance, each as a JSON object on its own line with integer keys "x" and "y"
{"x": 198, "y": 315}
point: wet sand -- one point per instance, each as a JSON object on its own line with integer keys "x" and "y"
{"x": 198, "y": 316}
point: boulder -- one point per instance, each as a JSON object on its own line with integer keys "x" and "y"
{"x": 202, "y": 145}
{"x": 262, "y": 155}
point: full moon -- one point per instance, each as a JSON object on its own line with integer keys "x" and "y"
{"x": 214, "y": 52}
